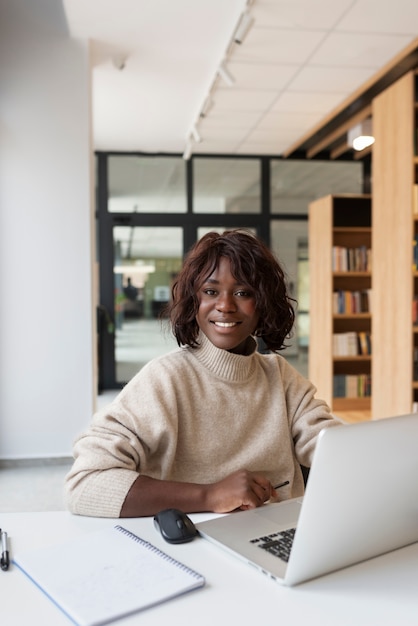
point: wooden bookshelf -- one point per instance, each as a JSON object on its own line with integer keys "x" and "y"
{"x": 342, "y": 221}
{"x": 394, "y": 215}
{"x": 395, "y": 282}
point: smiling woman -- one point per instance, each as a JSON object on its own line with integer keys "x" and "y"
{"x": 214, "y": 424}
{"x": 233, "y": 271}
{"x": 227, "y": 310}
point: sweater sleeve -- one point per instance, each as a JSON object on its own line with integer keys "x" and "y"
{"x": 135, "y": 434}
{"x": 307, "y": 414}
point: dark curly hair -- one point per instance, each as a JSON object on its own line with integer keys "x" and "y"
{"x": 252, "y": 264}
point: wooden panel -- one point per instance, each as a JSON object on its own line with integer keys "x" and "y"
{"x": 352, "y": 417}
{"x": 320, "y": 286}
{"x": 392, "y": 249}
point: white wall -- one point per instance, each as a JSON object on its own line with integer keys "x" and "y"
{"x": 46, "y": 330}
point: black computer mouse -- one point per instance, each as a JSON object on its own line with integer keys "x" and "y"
{"x": 175, "y": 526}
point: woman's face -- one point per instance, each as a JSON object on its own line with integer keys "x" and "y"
{"x": 227, "y": 314}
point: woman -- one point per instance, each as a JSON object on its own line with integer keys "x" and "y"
{"x": 214, "y": 424}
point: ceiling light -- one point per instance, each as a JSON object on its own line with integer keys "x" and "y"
{"x": 207, "y": 105}
{"x": 226, "y": 75}
{"x": 195, "y": 134}
{"x": 360, "y": 136}
{"x": 362, "y": 142}
{"x": 244, "y": 25}
{"x": 188, "y": 150}
{"x": 133, "y": 269}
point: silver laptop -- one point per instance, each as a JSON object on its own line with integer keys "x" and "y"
{"x": 361, "y": 501}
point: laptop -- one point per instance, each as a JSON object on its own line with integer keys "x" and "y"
{"x": 361, "y": 500}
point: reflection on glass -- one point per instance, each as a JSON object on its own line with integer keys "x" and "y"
{"x": 289, "y": 243}
{"x": 294, "y": 184}
{"x": 302, "y": 319}
{"x": 226, "y": 185}
{"x": 146, "y": 261}
{"x": 203, "y": 230}
{"x": 141, "y": 184}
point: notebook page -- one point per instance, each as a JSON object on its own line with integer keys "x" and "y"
{"x": 107, "y": 574}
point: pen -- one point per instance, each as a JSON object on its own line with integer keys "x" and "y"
{"x": 4, "y": 561}
{"x": 286, "y": 482}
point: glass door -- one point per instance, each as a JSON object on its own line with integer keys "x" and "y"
{"x": 146, "y": 260}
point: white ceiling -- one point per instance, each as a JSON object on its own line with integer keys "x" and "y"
{"x": 300, "y": 59}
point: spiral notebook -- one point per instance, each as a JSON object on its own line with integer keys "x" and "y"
{"x": 105, "y": 575}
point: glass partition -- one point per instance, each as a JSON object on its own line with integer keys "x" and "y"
{"x": 155, "y": 206}
{"x": 146, "y": 261}
{"x": 226, "y": 185}
{"x": 294, "y": 184}
{"x": 203, "y": 230}
{"x": 289, "y": 242}
{"x": 141, "y": 184}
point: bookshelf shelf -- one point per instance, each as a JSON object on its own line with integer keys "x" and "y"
{"x": 340, "y": 233}
{"x": 352, "y": 274}
{"x": 352, "y": 316}
{"x": 353, "y": 359}
{"x": 340, "y": 405}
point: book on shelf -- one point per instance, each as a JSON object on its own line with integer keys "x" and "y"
{"x": 364, "y": 342}
{"x": 415, "y": 364}
{"x": 415, "y": 310}
{"x": 415, "y": 199}
{"x": 415, "y": 255}
{"x": 344, "y": 344}
{"x": 352, "y": 385}
{"x": 352, "y": 343}
{"x": 351, "y": 259}
{"x": 352, "y": 301}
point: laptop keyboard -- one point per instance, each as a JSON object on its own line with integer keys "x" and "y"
{"x": 278, "y": 544}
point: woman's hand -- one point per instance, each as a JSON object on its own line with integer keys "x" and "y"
{"x": 240, "y": 490}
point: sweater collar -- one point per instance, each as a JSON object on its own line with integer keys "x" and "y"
{"x": 227, "y": 365}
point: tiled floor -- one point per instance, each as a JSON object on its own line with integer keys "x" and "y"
{"x": 37, "y": 485}
{"x": 32, "y": 488}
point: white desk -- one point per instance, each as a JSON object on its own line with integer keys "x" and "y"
{"x": 379, "y": 592}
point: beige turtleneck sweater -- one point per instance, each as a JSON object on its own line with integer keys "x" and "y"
{"x": 197, "y": 415}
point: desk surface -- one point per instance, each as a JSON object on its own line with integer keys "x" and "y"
{"x": 378, "y": 592}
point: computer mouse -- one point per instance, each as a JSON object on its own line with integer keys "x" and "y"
{"x": 175, "y": 526}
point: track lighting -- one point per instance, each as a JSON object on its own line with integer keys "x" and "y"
{"x": 244, "y": 25}
{"x": 226, "y": 75}
{"x": 207, "y": 105}
{"x": 188, "y": 150}
{"x": 361, "y": 136}
{"x": 195, "y": 134}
